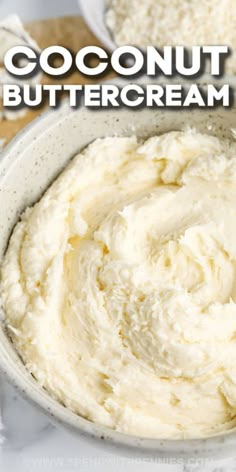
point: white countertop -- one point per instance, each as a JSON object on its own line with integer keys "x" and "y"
{"x": 32, "y": 443}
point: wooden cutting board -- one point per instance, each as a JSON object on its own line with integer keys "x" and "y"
{"x": 70, "y": 32}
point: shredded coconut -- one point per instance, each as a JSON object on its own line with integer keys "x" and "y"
{"x": 181, "y": 22}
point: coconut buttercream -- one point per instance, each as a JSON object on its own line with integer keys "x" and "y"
{"x": 119, "y": 285}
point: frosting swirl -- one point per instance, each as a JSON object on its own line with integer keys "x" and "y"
{"x": 119, "y": 285}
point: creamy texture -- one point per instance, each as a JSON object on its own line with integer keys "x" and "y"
{"x": 119, "y": 285}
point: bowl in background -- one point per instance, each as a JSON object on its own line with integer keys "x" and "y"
{"x": 93, "y": 12}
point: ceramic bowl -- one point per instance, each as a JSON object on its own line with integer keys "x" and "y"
{"x": 93, "y": 12}
{"x": 27, "y": 167}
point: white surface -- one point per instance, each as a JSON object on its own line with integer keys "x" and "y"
{"x": 33, "y": 444}
{"x": 38, "y": 9}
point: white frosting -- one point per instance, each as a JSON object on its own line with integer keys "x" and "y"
{"x": 119, "y": 286}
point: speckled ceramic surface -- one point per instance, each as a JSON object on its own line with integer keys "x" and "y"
{"x": 27, "y": 167}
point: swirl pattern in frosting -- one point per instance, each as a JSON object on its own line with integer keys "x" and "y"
{"x": 119, "y": 285}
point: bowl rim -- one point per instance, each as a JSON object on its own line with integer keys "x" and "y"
{"x": 221, "y": 444}
{"x": 106, "y": 39}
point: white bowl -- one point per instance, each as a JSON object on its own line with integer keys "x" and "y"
{"x": 27, "y": 167}
{"x": 93, "y": 12}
